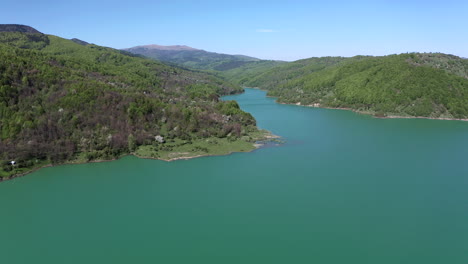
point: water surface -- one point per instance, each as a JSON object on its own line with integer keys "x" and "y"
{"x": 344, "y": 188}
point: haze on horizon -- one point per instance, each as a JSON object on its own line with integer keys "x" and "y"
{"x": 276, "y": 30}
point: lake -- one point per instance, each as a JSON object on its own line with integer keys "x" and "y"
{"x": 343, "y": 188}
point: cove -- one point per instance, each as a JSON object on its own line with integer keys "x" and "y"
{"x": 343, "y": 188}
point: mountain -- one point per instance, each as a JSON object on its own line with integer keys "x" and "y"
{"x": 192, "y": 58}
{"x": 61, "y": 101}
{"x": 160, "y": 47}
{"x": 18, "y": 28}
{"x": 431, "y": 85}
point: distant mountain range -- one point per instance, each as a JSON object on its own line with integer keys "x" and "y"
{"x": 193, "y": 58}
{"x": 160, "y": 47}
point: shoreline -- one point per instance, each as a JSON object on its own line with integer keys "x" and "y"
{"x": 317, "y": 105}
{"x": 256, "y": 145}
{"x": 2, "y": 179}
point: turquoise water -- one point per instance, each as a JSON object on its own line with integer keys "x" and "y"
{"x": 344, "y": 188}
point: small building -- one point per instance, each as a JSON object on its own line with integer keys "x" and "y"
{"x": 13, "y": 162}
{"x": 159, "y": 139}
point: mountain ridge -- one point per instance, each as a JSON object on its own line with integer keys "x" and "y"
{"x": 192, "y": 58}
{"x": 162, "y": 47}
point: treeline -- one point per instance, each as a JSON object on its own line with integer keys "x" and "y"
{"x": 59, "y": 99}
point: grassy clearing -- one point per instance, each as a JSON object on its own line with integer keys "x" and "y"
{"x": 182, "y": 149}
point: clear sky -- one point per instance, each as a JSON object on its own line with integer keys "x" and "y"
{"x": 283, "y": 30}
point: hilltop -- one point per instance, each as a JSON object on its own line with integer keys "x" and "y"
{"x": 18, "y": 28}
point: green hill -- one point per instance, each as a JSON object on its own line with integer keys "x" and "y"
{"x": 248, "y": 71}
{"x": 272, "y": 76}
{"x": 61, "y": 101}
{"x": 418, "y": 84}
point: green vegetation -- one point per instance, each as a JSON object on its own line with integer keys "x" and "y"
{"x": 183, "y": 149}
{"x": 192, "y": 58}
{"x": 25, "y": 40}
{"x": 418, "y": 84}
{"x": 449, "y": 63}
{"x": 70, "y": 101}
{"x": 248, "y": 71}
{"x": 233, "y": 68}
{"x": 426, "y": 85}
{"x": 61, "y": 101}
{"x": 273, "y": 76}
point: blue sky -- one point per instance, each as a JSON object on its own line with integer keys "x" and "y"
{"x": 283, "y": 30}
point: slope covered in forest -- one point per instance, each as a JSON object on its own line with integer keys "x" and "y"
{"x": 432, "y": 85}
{"x": 61, "y": 101}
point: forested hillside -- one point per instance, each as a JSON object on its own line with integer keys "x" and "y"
{"x": 248, "y": 71}
{"x": 417, "y": 84}
{"x": 272, "y": 76}
{"x": 62, "y": 101}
